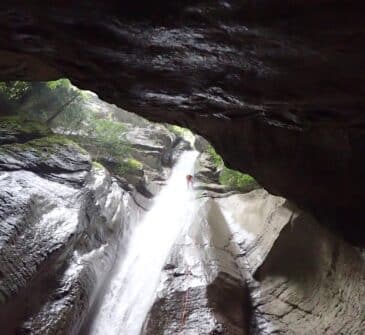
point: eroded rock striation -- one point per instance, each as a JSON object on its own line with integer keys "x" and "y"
{"x": 202, "y": 291}
{"x": 62, "y": 218}
{"x": 302, "y": 278}
{"x": 255, "y": 264}
{"x": 276, "y": 86}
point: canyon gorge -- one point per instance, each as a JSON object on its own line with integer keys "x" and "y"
{"x": 276, "y": 87}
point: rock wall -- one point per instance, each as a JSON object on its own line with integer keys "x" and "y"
{"x": 202, "y": 291}
{"x": 60, "y": 220}
{"x": 276, "y": 86}
{"x": 255, "y": 264}
{"x": 249, "y": 264}
{"x": 305, "y": 280}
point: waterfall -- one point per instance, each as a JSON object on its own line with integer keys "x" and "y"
{"x": 132, "y": 289}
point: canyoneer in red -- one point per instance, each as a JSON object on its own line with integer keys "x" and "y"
{"x": 189, "y": 181}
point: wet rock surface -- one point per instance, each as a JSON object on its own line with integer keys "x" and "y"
{"x": 178, "y": 146}
{"x": 60, "y": 219}
{"x": 255, "y": 264}
{"x": 206, "y": 170}
{"x": 276, "y": 86}
{"x": 202, "y": 290}
{"x": 249, "y": 264}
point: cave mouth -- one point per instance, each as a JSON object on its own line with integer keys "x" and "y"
{"x": 56, "y": 132}
{"x": 106, "y": 130}
{"x": 271, "y": 84}
{"x": 53, "y": 133}
{"x": 108, "y": 133}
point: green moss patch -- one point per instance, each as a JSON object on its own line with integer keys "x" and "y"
{"x": 46, "y": 146}
{"x": 232, "y": 178}
{"x": 237, "y": 180}
{"x": 129, "y": 165}
{"x": 17, "y": 125}
{"x": 97, "y": 165}
{"x": 55, "y": 140}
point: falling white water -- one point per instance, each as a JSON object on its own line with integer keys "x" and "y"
{"x": 132, "y": 290}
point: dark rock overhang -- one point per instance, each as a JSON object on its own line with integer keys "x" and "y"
{"x": 276, "y": 86}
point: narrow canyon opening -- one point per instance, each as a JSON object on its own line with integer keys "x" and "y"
{"x": 112, "y": 224}
{"x": 270, "y": 237}
{"x": 125, "y": 234}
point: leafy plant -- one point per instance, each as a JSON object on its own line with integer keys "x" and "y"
{"x": 69, "y": 112}
{"x": 178, "y": 131}
{"x": 108, "y": 135}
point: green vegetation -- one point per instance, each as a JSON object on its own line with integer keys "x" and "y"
{"x": 97, "y": 165}
{"x": 54, "y": 141}
{"x": 134, "y": 164}
{"x": 217, "y": 160}
{"x": 105, "y": 142}
{"x": 45, "y": 147}
{"x": 107, "y": 134}
{"x": 72, "y": 114}
{"x": 129, "y": 165}
{"x": 14, "y": 90}
{"x": 178, "y": 131}
{"x": 61, "y": 83}
{"x": 57, "y": 103}
{"x": 232, "y": 178}
{"x": 237, "y": 180}
{"x": 182, "y": 132}
{"x": 16, "y": 124}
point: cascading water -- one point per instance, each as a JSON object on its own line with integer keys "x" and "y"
{"x": 132, "y": 290}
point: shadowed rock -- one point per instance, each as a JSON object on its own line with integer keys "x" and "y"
{"x": 302, "y": 278}
{"x": 276, "y": 86}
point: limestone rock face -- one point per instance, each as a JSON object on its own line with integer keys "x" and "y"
{"x": 202, "y": 291}
{"x": 302, "y": 278}
{"x": 201, "y": 144}
{"x": 276, "y": 86}
{"x": 60, "y": 219}
{"x": 178, "y": 146}
{"x": 255, "y": 264}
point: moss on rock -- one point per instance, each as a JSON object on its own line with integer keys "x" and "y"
{"x": 17, "y": 129}
{"x": 97, "y": 165}
{"x": 51, "y": 143}
{"x": 232, "y": 178}
{"x": 50, "y": 154}
{"x": 237, "y": 180}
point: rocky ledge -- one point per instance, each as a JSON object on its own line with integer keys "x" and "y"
{"x": 60, "y": 220}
